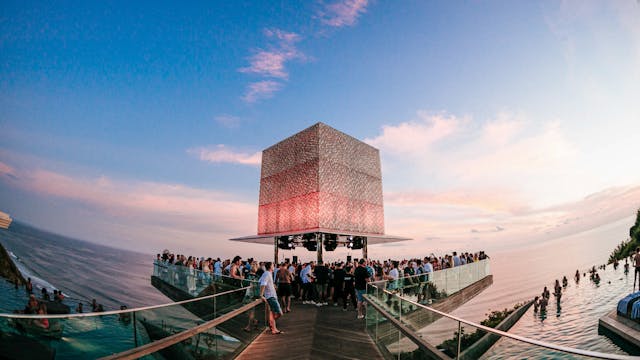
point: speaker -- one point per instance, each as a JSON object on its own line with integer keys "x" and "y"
{"x": 348, "y": 258}
{"x": 295, "y": 259}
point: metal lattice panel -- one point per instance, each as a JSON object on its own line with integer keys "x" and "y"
{"x": 320, "y": 178}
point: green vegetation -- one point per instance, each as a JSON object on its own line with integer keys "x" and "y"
{"x": 433, "y": 292}
{"x": 494, "y": 318}
{"x": 628, "y": 247}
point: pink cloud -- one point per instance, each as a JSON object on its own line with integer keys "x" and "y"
{"x": 261, "y": 90}
{"x": 499, "y": 220}
{"x": 272, "y": 62}
{"x": 154, "y": 214}
{"x": 484, "y": 200}
{"x": 268, "y": 63}
{"x": 343, "y": 13}
{"x": 222, "y": 154}
{"x": 6, "y": 169}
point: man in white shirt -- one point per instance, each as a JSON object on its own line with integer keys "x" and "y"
{"x": 217, "y": 269}
{"x": 268, "y": 295}
{"x": 456, "y": 259}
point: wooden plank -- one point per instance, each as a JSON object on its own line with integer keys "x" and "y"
{"x": 627, "y": 329}
{"x": 174, "y": 339}
{"x": 315, "y": 333}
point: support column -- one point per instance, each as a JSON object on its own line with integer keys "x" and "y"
{"x": 275, "y": 251}
{"x": 319, "y": 238}
{"x": 364, "y": 248}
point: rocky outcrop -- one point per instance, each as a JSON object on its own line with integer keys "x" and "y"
{"x": 8, "y": 269}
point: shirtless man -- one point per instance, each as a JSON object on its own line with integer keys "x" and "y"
{"x": 636, "y": 263}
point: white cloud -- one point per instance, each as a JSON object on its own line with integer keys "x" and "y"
{"x": 442, "y": 152}
{"x": 227, "y": 121}
{"x": 261, "y": 90}
{"x": 222, "y": 154}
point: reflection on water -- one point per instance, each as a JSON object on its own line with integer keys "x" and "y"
{"x": 575, "y": 322}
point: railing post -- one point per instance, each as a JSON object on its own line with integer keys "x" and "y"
{"x": 135, "y": 331}
{"x": 459, "y": 339}
{"x": 399, "y": 332}
{"x": 215, "y": 329}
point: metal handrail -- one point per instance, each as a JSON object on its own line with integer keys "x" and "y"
{"x": 544, "y": 344}
{"x": 116, "y": 312}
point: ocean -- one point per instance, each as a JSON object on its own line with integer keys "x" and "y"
{"x": 114, "y": 277}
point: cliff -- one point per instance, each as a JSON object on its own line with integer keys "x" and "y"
{"x": 8, "y": 269}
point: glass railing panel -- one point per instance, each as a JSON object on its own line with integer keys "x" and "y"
{"x": 94, "y": 336}
{"x": 69, "y": 337}
{"x": 432, "y": 328}
{"x": 165, "y": 321}
{"x": 438, "y": 285}
{"x": 462, "y": 340}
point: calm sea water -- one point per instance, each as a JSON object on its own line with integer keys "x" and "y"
{"x": 82, "y": 270}
{"x": 85, "y": 271}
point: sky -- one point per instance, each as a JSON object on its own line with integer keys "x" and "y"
{"x": 141, "y": 125}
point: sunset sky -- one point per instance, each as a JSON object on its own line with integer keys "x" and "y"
{"x": 141, "y": 124}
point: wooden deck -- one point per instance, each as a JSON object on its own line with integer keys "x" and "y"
{"x": 626, "y": 329}
{"x": 312, "y": 332}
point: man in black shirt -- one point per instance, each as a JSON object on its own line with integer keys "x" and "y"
{"x": 322, "y": 279}
{"x": 361, "y": 276}
{"x": 338, "y": 285}
{"x": 349, "y": 290}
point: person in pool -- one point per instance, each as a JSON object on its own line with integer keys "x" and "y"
{"x": 45, "y": 294}
{"x": 626, "y": 266}
{"x": 32, "y": 305}
{"x": 29, "y": 286}
{"x": 543, "y": 304}
{"x": 545, "y": 293}
{"x": 43, "y": 322}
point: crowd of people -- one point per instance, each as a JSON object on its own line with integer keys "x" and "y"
{"x": 319, "y": 284}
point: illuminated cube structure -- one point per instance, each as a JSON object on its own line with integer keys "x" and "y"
{"x": 320, "y": 178}
{"x": 320, "y": 187}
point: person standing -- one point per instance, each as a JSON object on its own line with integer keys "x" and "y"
{"x": 268, "y": 295}
{"x": 338, "y": 285}
{"x": 361, "y": 276}
{"x": 283, "y": 278}
{"x": 321, "y": 273}
{"x": 636, "y": 263}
